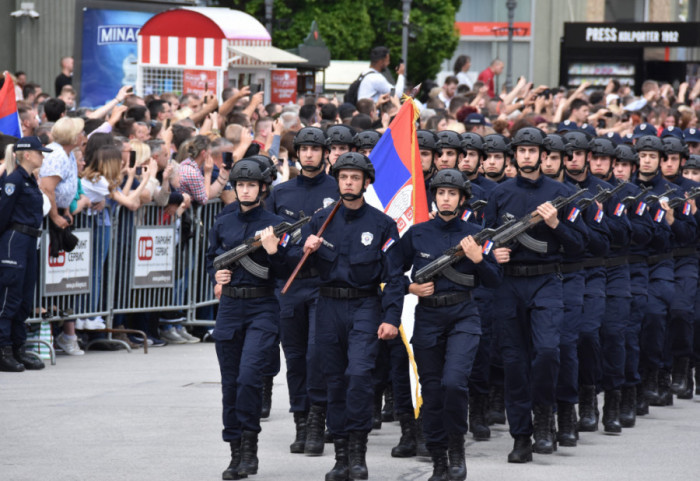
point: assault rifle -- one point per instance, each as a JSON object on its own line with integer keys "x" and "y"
{"x": 654, "y": 198}
{"x": 478, "y": 206}
{"x": 240, "y": 252}
{"x": 602, "y": 196}
{"x": 691, "y": 194}
{"x": 632, "y": 200}
{"x": 511, "y": 229}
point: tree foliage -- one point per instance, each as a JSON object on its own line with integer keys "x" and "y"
{"x": 351, "y": 28}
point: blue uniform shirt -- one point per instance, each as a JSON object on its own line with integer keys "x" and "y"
{"x": 307, "y": 194}
{"x": 21, "y": 201}
{"x": 641, "y": 226}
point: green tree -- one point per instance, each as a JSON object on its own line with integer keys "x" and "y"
{"x": 351, "y": 28}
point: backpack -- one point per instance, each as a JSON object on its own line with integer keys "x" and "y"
{"x": 354, "y": 88}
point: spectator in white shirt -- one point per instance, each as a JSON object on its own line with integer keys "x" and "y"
{"x": 374, "y": 84}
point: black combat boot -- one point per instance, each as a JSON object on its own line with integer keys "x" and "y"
{"x": 587, "y": 407}
{"x": 690, "y": 386}
{"x": 357, "y": 449}
{"x": 478, "y": 404}
{"x": 297, "y": 447}
{"x": 388, "y": 410}
{"x": 665, "y": 394}
{"x": 496, "y": 413}
{"x": 439, "y": 457}
{"x": 249, "y": 453}
{"x": 697, "y": 380}
{"x": 407, "y": 444}
{"x": 455, "y": 453}
{"x": 377, "y": 411}
{"x": 542, "y": 429}
{"x": 232, "y": 470}
{"x": 679, "y": 383}
{"x": 628, "y": 407}
{"x": 266, "y": 397}
{"x": 8, "y": 363}
{"x": 315, "y": 425}
{"x": 421, "y": 448}
{"x": 522, "y": 450}
{"x": 611, "y": 412}
{"x": 650, "y": 387}
{"x": 566, "y": 434}
{"x": 30, "y": 362}
{"x": 642, "y": 408}
{"x": 340, "y": 470}
{"x": 327, "y": 437}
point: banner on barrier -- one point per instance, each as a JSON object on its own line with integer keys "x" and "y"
{"x": 69, "y": 272}
{"x": 154, "y": 257}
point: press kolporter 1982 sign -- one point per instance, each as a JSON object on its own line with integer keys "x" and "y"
{"x": 632, "y": 34}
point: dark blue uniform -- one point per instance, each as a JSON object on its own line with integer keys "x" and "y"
{"x": 21, "y": 203}
{"x": 298, "y": 305}
{"x": 446, "y": 338}
{"x": 529, "y": 307}
{"x": 358, "y": 253}
{"x": 246, "y": 328}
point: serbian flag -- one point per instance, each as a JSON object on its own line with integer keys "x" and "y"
{"x": 9, "y": 118}
{"x": 399, "y": 190}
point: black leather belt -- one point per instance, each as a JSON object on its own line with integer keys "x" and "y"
{"x": 571, "y": 267}
{"x": 684, "y": 251}
{"x": 637, "y": 259}
{"x": 530, "y": 270}
{"x": 307, "y": 273}
{"x": 247, "y": 292}
{"x": 442, "y": 300}
{"x": 25, "y": 229}
{"x": 655, "y": 259}
{"x": 346, "y": 292}
{"x": 616, "y": 261}
{"x": 593, "y": 262}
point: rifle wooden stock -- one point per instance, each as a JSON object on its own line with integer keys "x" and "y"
{"x": 308, "y": 253}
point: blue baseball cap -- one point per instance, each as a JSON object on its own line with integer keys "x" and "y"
{"x": 30, "y": 143}
{"x": 672, "y": 132}
{"x": 566, "y": 126}
{"x": 692, "y": 135}
{"x": 644, "y": 129}
{"x": 476, "y": 119}
{"x": 589, "y": 129}
{"x": 628, "y": 139}
{"x": 614, "y": 137}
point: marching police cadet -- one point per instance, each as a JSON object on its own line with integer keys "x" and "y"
{"x": 427, "y": 146}
{"x": 530, "y": 307}
{"x": 339, "y": 140}
{"x": 553, "y": 163}
{"x": 671, "y": 227}
{"x": 625, "y": 165}
{"x": 366, "y": 140}
{"x": 447, "y": 326}
{"x": 248, "y": 318}
{"x": 691, "y": 170}
{"x": 474, "y": 155}
{"x": 496, "y": 152}
{"x": 679, "y": 338}
{"x": 692, "y": 139}
{"x": 355, "y": 254}
{"x": 21, "y": 214}
{"x": 310, "y": 191}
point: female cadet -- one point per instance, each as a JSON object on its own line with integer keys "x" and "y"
{"x": 21, "y": 213}
{"x": 447, "y": 324}
{"x": 248, "y": 319}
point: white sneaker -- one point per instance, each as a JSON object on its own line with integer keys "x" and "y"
{"x": 95, "y": 323}
{"x": 69, "y": 346}
{"x": 80, "y": 324}
{"x": 171, "y": 336}
{"x": 165, "y": 320}
{"x": 182, "y": 332}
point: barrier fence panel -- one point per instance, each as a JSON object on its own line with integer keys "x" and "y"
{"x": 202, "y": 298}
{"x": 151, "y": 265}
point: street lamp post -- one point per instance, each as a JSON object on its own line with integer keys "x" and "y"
{"x": 404, "y": 34}
{"x": 268, "y": 15}
{"x": 510, "y": 5}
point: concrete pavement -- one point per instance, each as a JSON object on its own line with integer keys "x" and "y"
{"x": 121, "y": 416}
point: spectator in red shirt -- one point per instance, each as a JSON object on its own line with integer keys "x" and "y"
{"x": 488, "y": 75}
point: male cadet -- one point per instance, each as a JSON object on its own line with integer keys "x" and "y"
{"x": 339, "y": 139}
{"x": 427, "y": 147}
{"x": 310, "y": 191}
{"x": 496, "y": 152}
{"x": 679, "y": 338}
{"x": 553, "y": 163}
{"x": 674, "y": 228}
{"x": 469, "y": 163}
{"x": 366, "y": 140}
{"x": 691, "y": 170}
{"x": 530, "y": 300}
{"x": 692, "y": 139}
{"x": 355, "y": 254}
{"x": 643, "y": 231}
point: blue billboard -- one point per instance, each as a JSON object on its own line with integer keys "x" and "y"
{"x": 109, "y": 54}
